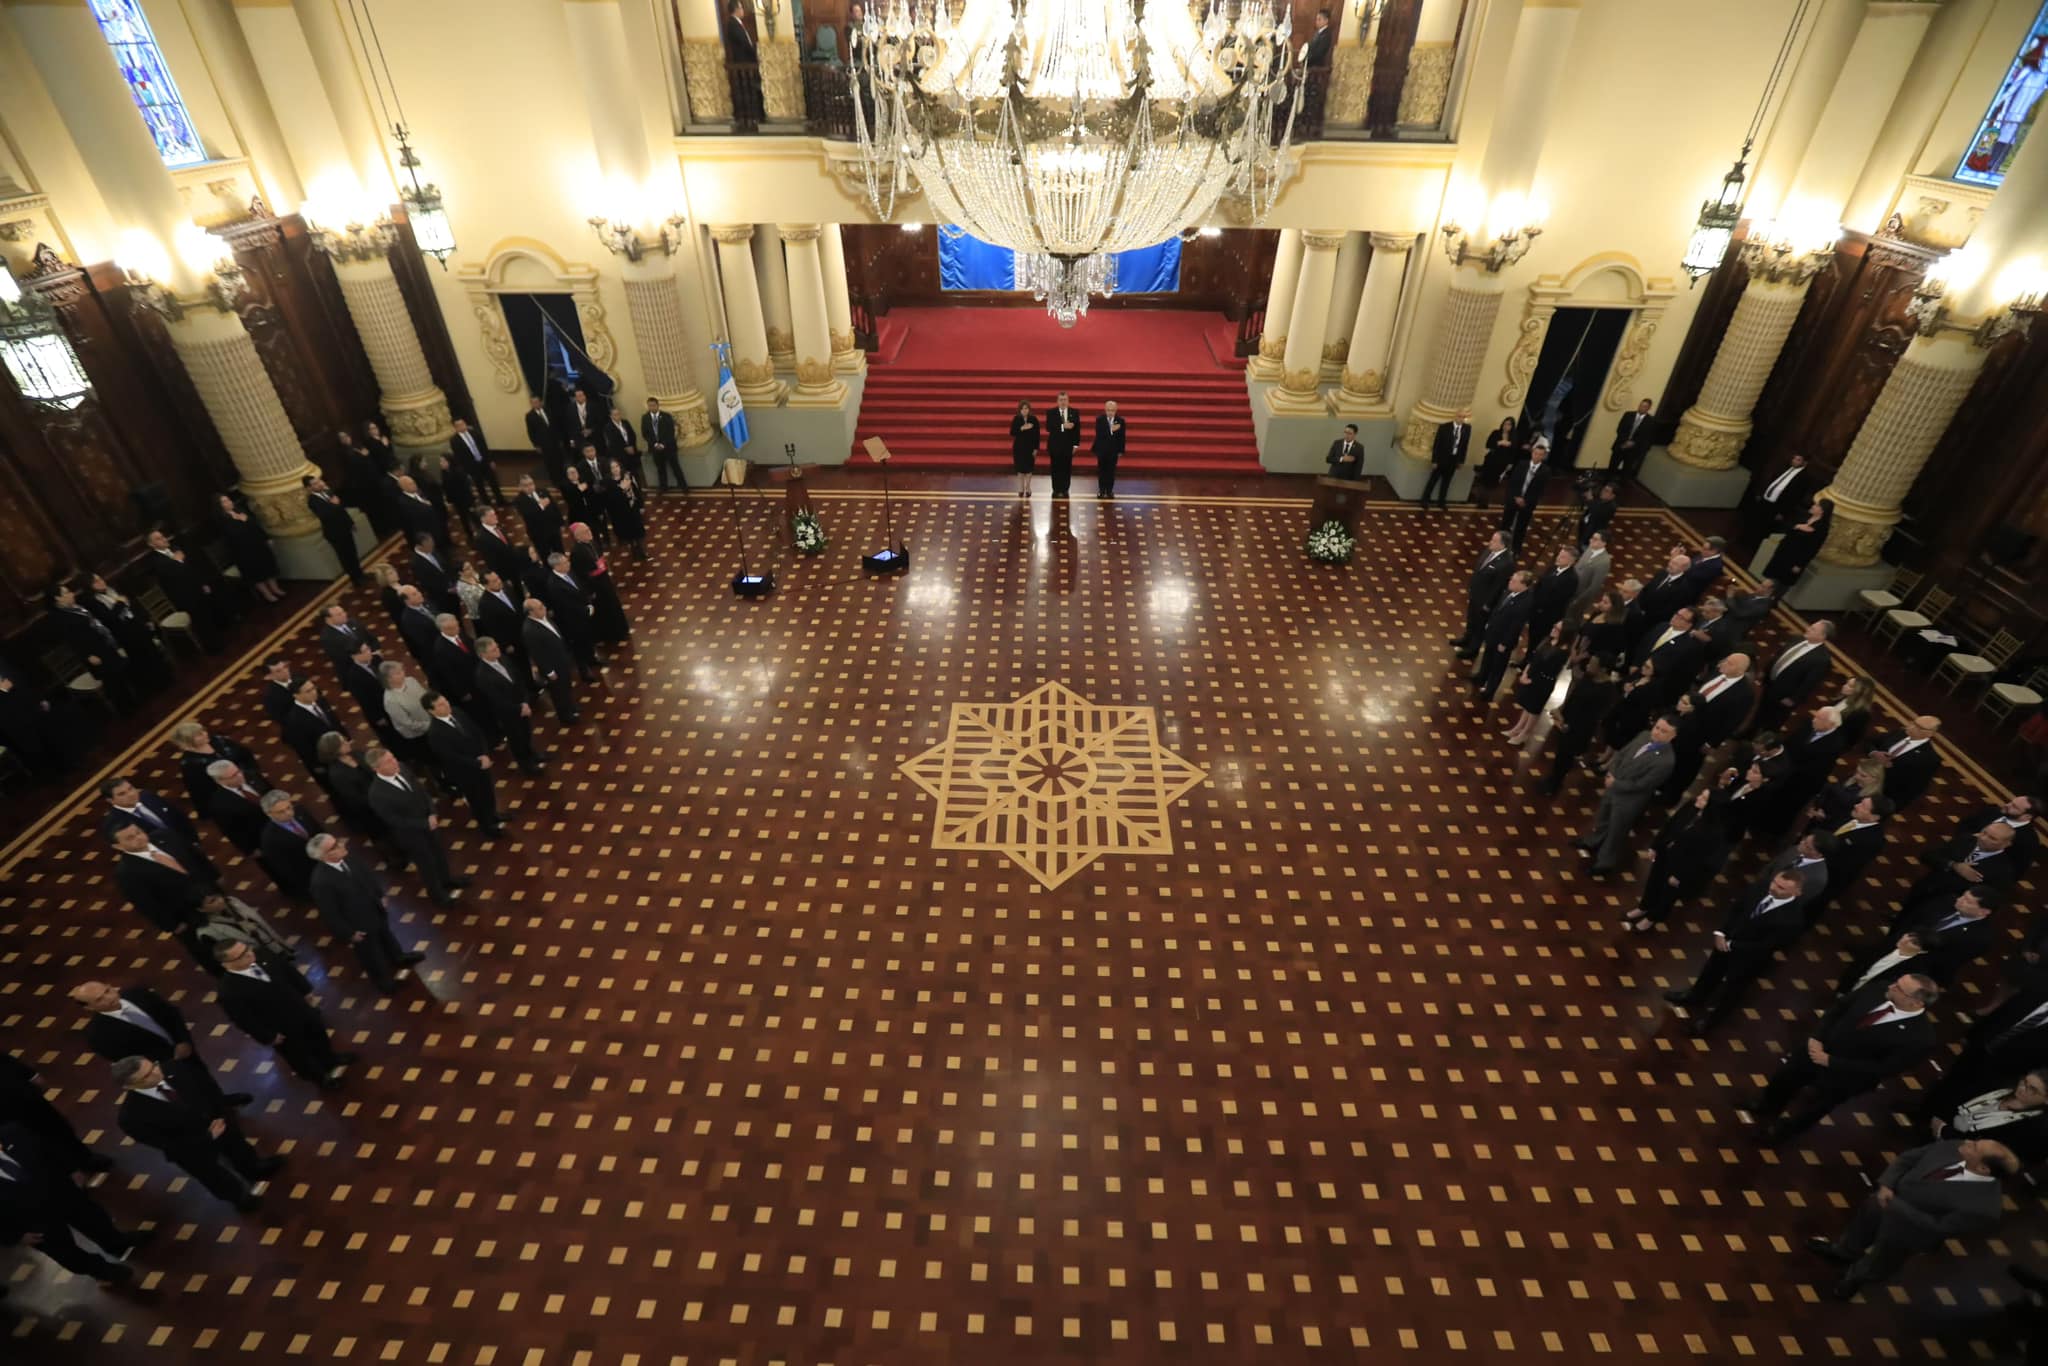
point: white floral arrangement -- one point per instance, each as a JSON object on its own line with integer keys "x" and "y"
{"x": 1331, "y": 543}
{"x": 810, "y": 533}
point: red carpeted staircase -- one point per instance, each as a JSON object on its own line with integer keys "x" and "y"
{"x": 945, "y": 401}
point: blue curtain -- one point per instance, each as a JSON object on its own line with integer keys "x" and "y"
{"x": 967, "y": 262}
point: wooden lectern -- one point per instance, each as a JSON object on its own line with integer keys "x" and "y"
{"x": 1339, "y": 499}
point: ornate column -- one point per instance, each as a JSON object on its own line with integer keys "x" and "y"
{"x": 745, "y": 329}
{"x": 1714, "y": 430}
{"x": 1463, "y": 333}
{"x": 816, "y": 386}
{"x": 1302, "y": 367}
{"x": 646, "y": 249}
{"x": 1343, "y": 306}
{"x": 1372, "y": 333}
{"x": 847, "y": 358}
{"x": 221, "y": 360}
{"x": 415, "y": 410}
{"x": 774, "y": 289}
{"x": 1279, "y": 307}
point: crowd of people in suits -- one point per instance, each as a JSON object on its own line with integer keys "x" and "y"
{"x": 1665, "y": 703}
{"x": 502, "y": 630}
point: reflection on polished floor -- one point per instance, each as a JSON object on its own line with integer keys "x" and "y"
{"x": 729, "y": 1057}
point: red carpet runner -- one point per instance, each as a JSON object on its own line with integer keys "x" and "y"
{"x": 944, "y": 401}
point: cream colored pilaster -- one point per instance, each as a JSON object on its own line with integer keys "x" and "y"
{"x": 816, "y": 385}
{"x": 1915, "y": 407}
{"x": 415, "y": 409}
{"x": 1364, "y": 382}
{"x": 1343, "y": 306}
{"x": 1924, "y": 92}
{"x": 745, "y": 329}
{"x": 1463, "y": 332}
{"x": 1301, "y": 369}
{"x": 773, "y": 275}
{"x": 240, "y": 86}
{"x": 220, "y": 357}
{"x": 847, "y": 358}
{"x": 1279, "y": 306}
{"x": 348, "y": 98}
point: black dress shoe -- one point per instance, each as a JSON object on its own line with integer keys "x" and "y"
{"x": 238, "y": 1099}
{"x": 97, "y": 1162}
{"x": 408, "y": 959}
{"x": 141, "y": 1237}
{"x": 1700, "y": 1025}
{"x": 2028, "y": 1278}
{"x": 249, "y": 1204}
{"x": 1826, "y": 1247}
{"x": 1844, "y": 1289}
{"x": 344, "y": 1059}
{"x": 1680, "y": 997}
{"x": 460, "y": 881}
{"x": 268, "y": 1166}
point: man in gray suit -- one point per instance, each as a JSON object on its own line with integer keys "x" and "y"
{"x": 1594, "y": 565}
{"x": 1925, "y": 1197}
{"x": 1634, "y": 772}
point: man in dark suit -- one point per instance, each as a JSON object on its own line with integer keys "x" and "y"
{"x": 1489, "y": 580}
{"x": 1504, "y": 626}
{"x": 1807, "y": 859}
{"x": 1911, "y": 760}
{"x": 417, "y": 513}
{"x": 1718, "y": 707}
{"x": 2010, "y": 1040}
{"x": 583, "y": 413}
{"x": 542, "y": 515}
{"x": 569, "y": 610}
{"x": 95, "y": 645}
{"x": 467, "y": 452}
{"x": 464, "y": 752}
{"x": 271, "y": 1001}
{"x": 403, "y": 805}
{"x": 658, "y": 434}
{"x": 337, "y": 527}
{"x": 619, "y": 443}
{"x": 128, "y": 804}
{"x": 22, "y": 1103}
{"x": 1315, "y": 53}
{"x": 1888, "y": 960}
{"x": 416, "y": 622}
{"x": 451, "y": 662}
{"x": 280, "y": 686}
{"x": 1714, "y": 629}
{"x": 1981, "y": 862}
{"x": 1447, "y": 451}
{"x": 747, "y": 98}
{"x": 552, "y": 658}
{"x": 500, "y": 555}
{"x": 283, "y": 849}
{"x": 1874, "y": 1033}
{"x": 500, "y": 615}
{"x": 541, "y": 435}
{"x": 1675, "y": 653}
{"x": 591, "y": 467}
{"x": 1062, "y": 439}
{"x": 505, "y": 693}
{"x": 1111, "y": 431}
{"x": 355, "y": 905}
{"x": 1598, "y": 514}
{"x": 1761, "y": 920}
{"x": 1858, "y": 842}
{"x": 43, "y": 1207}
{"x": 1347, "y": 457}
{"x": 1631, "y": 442}
{"x": 137, "y": 1022}
{"x": 366, "y": 685}
{"x": 1552, "y": 594}
{"x": 235, "y": 806}
{"x": 1671, "y": 589}
{"x": 1925, "y": 1197}
{"x": 159, "y": 875}
{"x": 1780, "y": 501}
{"x": 309, "y": 718}
{"x": 1791, "y": 678}
{"x": 434, "y": 574}
{"x": 339, "y": 636}
{"x": 1634, "y": 773}
{"x": 191, "y": 590}
{"x": 2018, "y": 815}
{"x": 1964, "y": 923}
{"x": 1522, "y": 490}
{"x": 193, "y": 1132}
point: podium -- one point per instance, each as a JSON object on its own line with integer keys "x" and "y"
{"x": 1339, "y": 500}
{"x": 796, "y": 496}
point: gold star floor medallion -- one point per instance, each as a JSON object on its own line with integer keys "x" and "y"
{"x": 1053, "y": 780}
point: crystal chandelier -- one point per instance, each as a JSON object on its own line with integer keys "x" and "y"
{"x": 1063, "y": 284}
{"x": 1069, "y": 130}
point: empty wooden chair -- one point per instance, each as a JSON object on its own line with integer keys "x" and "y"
{"x": 75, "y": 678}
{"x": 2003, "y": 699}
{"x": 1997, "y": 653}
{"x": 1899, "y": 620}
{"x": 171, "y": 622}
{"x": 1871, "y": 601}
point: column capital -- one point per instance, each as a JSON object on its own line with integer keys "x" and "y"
{"x": 799, "y": 232}
{"x": 732, "y": 232}
{"x": 1323, "y": 239}
{"x": 1392, "y": 242}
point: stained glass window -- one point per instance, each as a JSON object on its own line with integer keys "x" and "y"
{"x": 2012, "y": 110}
{"x": 142, "y": 65}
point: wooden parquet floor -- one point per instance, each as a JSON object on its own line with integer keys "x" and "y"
{"x": 723, "y": 1060}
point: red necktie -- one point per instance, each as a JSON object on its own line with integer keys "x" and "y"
{"x": 1946, "y": 1173}
{"x": 1873, "y": 1017}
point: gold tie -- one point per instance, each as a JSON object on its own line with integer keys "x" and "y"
{"x": 1846, "y": 827}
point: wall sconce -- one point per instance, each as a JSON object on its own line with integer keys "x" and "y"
{"x": 354, "y": 240}
{"x": 623, "y": 239}
{"x": 1513, "y": 225}
{"x": 145, "y": 264}
{"x": 1368, "y": 14}
{"x": 1789, "y": 253}
{"x": 2020, "y": 288}
{"x": 765, "y": 11}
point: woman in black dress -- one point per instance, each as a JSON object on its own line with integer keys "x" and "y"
{"x": 249, "y": 547}
{"x": 1639, "y": 705}
{"x": 1603, "y": 635}
{"x": 625, "y": 503}
{"x": 1801, "y": 543}
{"x": 379, "y": 447}
{"x": 1538, "y": 681}
{"x": 1024, "y": 447}
{"x": 584, "y": 504}
{"x": 1592, "y": 695}
{"x": 1854, "y": 704}
{"x": 1690, "y": 850}
{"x": 1503, "y": 448}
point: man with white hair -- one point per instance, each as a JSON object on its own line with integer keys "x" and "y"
{"x": 1792, "y": 676}
{"x": 355, "y": 905}
{"x": 235, "y": 806}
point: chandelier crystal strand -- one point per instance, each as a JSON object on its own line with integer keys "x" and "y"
{"x": 1070, "y": 129}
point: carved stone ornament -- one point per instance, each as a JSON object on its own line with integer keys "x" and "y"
{"x": 1350, "y": 85}
{"x": 732, "y": 232}
{"x": 814, "y": 374}
{"x": 1300, "y": 381}
{"x": 693, "y": 425}
{"x": 780, "y": 343}
{"x": 1428, "y": 86}
{"x": 1707, "y": 448}
{"x": 704, "y": 78}
{"x": 754, "y": 372}
{"x": 1273, "y": 346}
{"x": 1522, "y": 359}
{"x": 1628, "y": 361}
{"x": 1335, "y": 352}
{"x": 842, "y": 342}
{"x": 1367, "y": 382}
{"x": 17, "y": 229}
{"x": 498, "y": 345}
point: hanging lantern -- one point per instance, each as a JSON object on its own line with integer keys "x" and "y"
{"x": 34, "y": 350}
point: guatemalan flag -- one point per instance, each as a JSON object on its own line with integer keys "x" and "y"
{"x": 731, "y": 415}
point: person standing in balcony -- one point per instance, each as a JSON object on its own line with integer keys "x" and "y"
{"x": 743, "y": 66}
